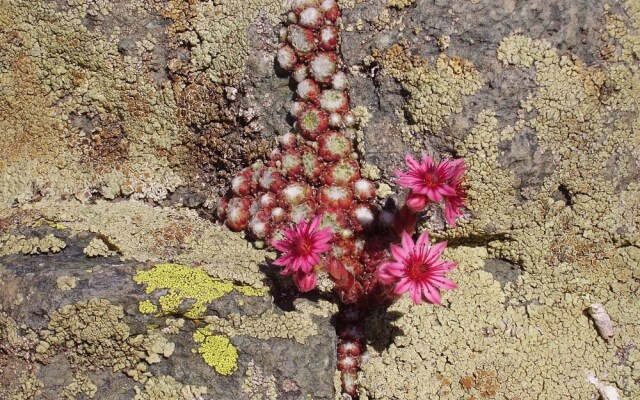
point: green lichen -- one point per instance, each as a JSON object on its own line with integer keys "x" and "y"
{"x": 217, "y": 351}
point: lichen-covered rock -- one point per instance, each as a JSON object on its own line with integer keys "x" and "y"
{"x": 72, "y": 324}
{"x": 121, "y": 121}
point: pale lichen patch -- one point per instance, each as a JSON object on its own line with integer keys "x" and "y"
{"x": 66, "y": 282}
{"x": 93, "y": 335}
{"x": 434, "y": 93}
{"x": 166, "y": 387}
{"x": 257, "y": 385}
{"x": 98, "y": 248}
{"x": 81, "y": 384}
{"x": 289, "y": 325}
{"x": 400, "y": 4}
{"x": 141, "y": 232}
{"x": 20, "y": 244}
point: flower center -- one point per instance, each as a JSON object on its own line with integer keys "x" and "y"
{"x": 430, "y": 179}
{"x": 303, "y": 246}
{"x": 416, "y": 268}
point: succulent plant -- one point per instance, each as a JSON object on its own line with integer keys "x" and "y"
{"x": 310, "y": 202}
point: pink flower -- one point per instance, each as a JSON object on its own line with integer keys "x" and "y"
{"x": 416, "y": 268}
{"x": 302, "y": 247}
{"x": 453, "y": 204}
{"x": 430, "y": 179}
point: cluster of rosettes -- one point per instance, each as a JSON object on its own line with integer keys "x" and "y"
{"x": 315, "y": 170}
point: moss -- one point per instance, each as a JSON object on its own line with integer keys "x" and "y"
{"x": 217, "y": 351}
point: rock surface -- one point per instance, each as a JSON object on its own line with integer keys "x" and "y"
{"x": 122, "y": 122}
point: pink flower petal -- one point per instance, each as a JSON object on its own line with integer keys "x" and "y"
{"x": 431, "y": 294}
{"x": 423, "y": 239}
{"x": 416, "y": 294}
{"x": 435, "y": 252}
{"x": 443, "y": 283}
{"x": 416, "y": 267}
{"x": 398, "y": 253}
{"x": 305, "y": 282}
{"x": 407, "y": 242}
{"x": 411, "y": 162}
{"x": 416, "y": 202}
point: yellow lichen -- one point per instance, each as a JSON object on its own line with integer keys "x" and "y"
{"x": 147, "y": 307}
{"x": 186, "y": 283}
{"x": 217, "y": 351}
{"x": 251, "y": 291}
